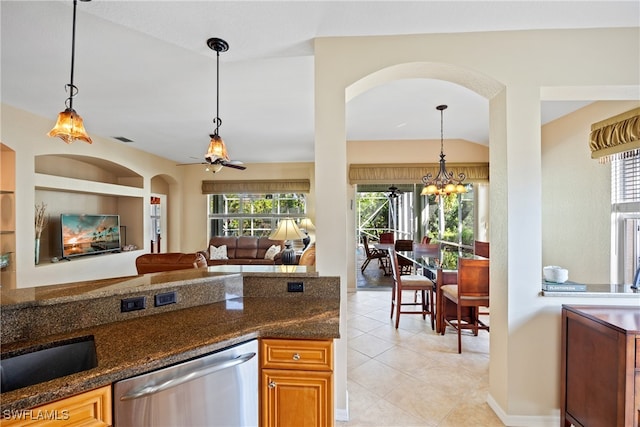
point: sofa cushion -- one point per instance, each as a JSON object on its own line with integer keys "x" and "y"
{"x": 264, "y": 243}
{"x": 218, "y": 253}
{"x": 247, "y": 247}
{"x": 272, "y": 251}
{"x": 230, "y": 242}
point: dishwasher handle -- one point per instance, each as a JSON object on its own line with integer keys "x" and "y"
{"x": 194, "y": 374}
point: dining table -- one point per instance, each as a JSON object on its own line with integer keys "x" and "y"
{"x": 439, "y": 263}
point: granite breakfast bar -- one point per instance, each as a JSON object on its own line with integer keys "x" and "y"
{"x": 214, "y": 310}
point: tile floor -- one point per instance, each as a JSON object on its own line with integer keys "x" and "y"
{"x": 412, "y": 376}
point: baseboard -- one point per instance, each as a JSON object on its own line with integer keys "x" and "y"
{"x": 342, "y": 414}
{"x": 523, "y": 420}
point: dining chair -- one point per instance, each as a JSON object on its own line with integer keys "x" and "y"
{"x": 425, "y": 240}
{"x": 481, "y": 248}
{"x": 406, "y": 266}
{"x": 411, "y": 282}
{"x": 471, "y": 291}
{"x": 372, "y": 253}
{"x": 386, "y": 237}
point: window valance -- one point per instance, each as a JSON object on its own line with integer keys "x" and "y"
{"x": 265, "y": 186}
{"x": 616, "y": 136}
{"x": 412, "y": 173}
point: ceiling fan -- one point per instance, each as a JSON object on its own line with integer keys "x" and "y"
{"x": 394, "y": 192}
{"x": 215, "y": 164}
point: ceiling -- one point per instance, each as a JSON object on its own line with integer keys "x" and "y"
{"x": 144, "y": 71}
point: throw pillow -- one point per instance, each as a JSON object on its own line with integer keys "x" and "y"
{"x": 218, "y": 253}
{"x": 272, "y": 252}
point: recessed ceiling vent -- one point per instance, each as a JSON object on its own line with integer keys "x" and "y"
{"x": 122, "y": 139}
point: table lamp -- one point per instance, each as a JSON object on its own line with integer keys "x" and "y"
{"x": 287, "y": 230}
{"x": 306, "y": 225}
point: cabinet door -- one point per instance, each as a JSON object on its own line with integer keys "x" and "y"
{"x": 293, "y": 398}
{"x": 90, "y": 409}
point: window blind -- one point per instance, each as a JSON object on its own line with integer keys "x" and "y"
{"x": 625, "y": 179}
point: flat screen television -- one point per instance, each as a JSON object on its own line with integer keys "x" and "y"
{"x": 84, "y": 234}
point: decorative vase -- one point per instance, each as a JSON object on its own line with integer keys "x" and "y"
{"x": 37, "y": 252}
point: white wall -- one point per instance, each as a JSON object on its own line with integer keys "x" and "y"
{"x": 576, "y": 195}
{"x": 25, "y": 133}
{"x": 511, "y": 69}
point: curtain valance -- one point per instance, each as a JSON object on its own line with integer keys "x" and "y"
{"x": 618, "y": 136}
{"x": 265, "y": 186}
{"x": 413, "y": 173}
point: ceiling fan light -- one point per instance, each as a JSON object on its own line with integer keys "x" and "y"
{"x": 69, "y": 127}
{"x": 217, "y": 149}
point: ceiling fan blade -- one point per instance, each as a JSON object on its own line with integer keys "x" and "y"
{"x": 233, "y": 165}
{"x": 189, "y": 164}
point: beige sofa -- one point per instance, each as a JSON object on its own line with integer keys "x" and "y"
{"x": 243, "y": 250}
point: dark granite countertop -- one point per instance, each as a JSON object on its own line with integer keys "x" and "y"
{"x": 131, "y": 347}
{"x": 215, "y": 308}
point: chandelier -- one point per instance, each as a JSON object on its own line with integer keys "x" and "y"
{"x": 69, "y": 125}
{"x": 444, "y": 182}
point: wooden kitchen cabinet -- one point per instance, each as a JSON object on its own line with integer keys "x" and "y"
{"x": 296, "y": 383}
{"x": 600, "y": 370}
{"x": 89, "y": 409}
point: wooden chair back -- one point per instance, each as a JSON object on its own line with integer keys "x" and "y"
{"x": 473, "y": 282}
{"x": 367, "y": 249}
{"x": 403, "y": 245}
{"x": 481, "y": 248}
{"x": 386, "y": 237}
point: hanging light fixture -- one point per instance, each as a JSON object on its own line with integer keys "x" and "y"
{"x": 217, "y": 154}
{"x": 444, "y": 182}
{"x": 69, "y": 126}
{"x": 217, "y": 150}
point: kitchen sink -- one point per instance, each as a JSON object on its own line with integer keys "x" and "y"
{"x": 46, "y": 362}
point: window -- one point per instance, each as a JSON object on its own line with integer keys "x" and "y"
{"x": 252, "y": 214}
{"x": 625, "y": 211}
{"x": 410, "y": 215}
{"x": 450, "y": 218}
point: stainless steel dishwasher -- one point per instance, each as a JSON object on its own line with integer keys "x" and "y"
{"x": 218, "y": 389}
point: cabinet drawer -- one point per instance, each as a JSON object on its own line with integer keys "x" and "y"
{"x": 297, "y": 354}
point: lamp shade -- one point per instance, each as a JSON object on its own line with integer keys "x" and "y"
{"x": 217, "y": 149}
{"x": 69, "y": 127}
{"x": 306, "y": 224}
{"x": 287, "y": 230}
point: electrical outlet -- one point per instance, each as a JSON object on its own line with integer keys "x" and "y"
{"x": 295, "y": 287}
{"x": 132, "y": 304}
{"x": 165, "y": 299}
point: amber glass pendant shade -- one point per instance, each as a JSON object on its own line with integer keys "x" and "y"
{"x": 69, "y": 127}
{"x": 217, "y": 149}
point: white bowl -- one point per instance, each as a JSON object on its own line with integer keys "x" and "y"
{"x": 556, "y": 274}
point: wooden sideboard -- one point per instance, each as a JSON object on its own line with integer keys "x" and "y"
{"x": 600, "y": 370}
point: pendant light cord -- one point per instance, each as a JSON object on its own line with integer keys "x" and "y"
{"x": 73, "y": 90}
{"x": 217, "y": 120}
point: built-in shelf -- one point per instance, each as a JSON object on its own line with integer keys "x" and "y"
{"x": 8, "y": 213}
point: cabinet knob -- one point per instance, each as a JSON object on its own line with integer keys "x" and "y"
{"x": 296, "y": 356}
{"x": 272, "y": 384}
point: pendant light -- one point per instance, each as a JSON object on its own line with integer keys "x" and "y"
{"x": 217, "y": 150}
{"x": 444, "y": 182}
{"x": 69, "y": 126}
